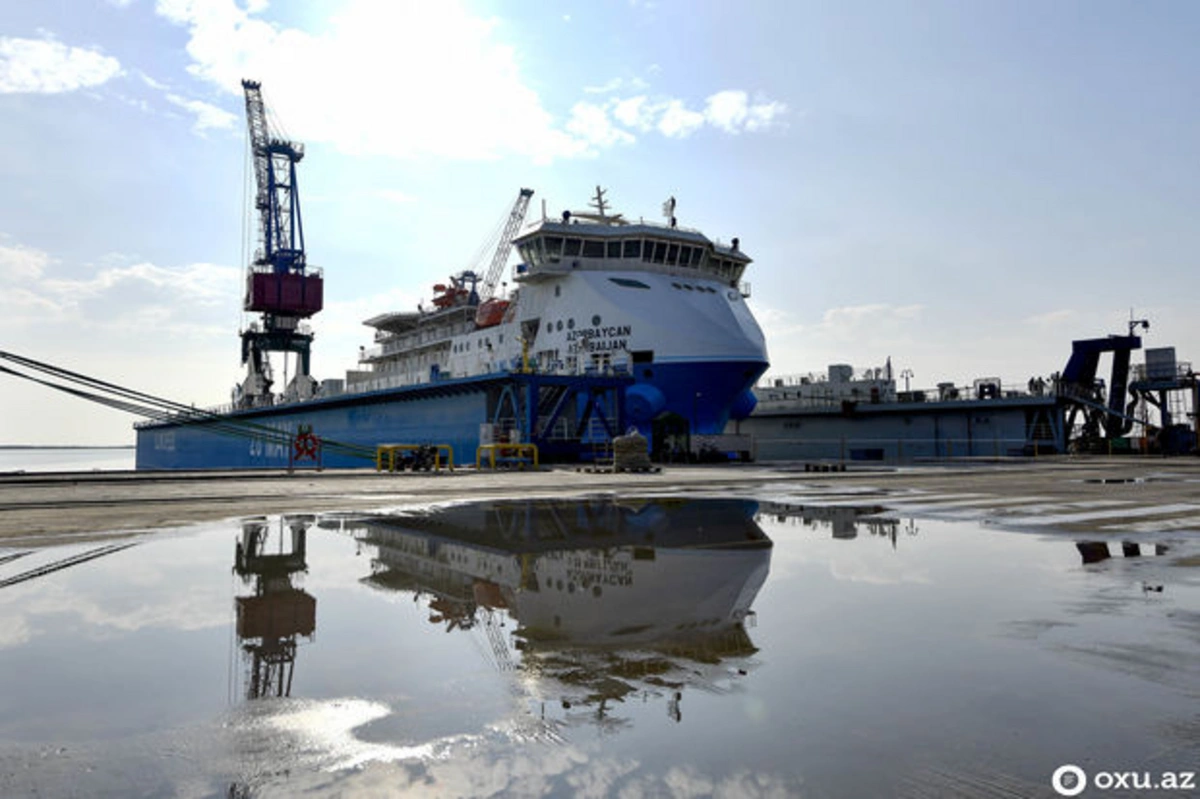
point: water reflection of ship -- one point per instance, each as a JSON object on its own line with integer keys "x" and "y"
{"x": 270, "y": 621}
{"x": 605, "y": 593}
{"x": 844, "y": 521}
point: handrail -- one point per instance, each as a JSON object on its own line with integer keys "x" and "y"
{"x": 391, "y": 449}
{"x": 492, "y": 449}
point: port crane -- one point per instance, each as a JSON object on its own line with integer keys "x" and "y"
{"x": 492, "y": 307}
{"x": 280, "y": 286}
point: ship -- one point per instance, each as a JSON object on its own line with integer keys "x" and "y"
{"x": 608, "y": 325}
{"x": 594, "y": 294}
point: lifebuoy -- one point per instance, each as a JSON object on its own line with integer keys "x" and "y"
{"x": 306, "y": 446}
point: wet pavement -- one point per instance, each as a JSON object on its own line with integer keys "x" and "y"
{"x": 784, "y": 640}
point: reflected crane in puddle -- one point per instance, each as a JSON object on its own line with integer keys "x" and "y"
{"x": 278, "y": 613}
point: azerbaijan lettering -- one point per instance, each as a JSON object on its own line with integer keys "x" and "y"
{"x": 599, "y": 339}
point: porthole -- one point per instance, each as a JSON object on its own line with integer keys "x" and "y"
{"x": 559, "y": 325}
{"x": 558, "y": 291}
{"x": 596, "y": 320}
{"x": 570, "y": 324}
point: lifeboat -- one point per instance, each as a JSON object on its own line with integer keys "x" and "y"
{"x": 445, "y": 296}
{"x": 491, "y": 312}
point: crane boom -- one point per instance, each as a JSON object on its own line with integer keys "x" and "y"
{"x": 504, "y": 247}
{"x": 256, "y": 121}
{"x": 277, "y": 196}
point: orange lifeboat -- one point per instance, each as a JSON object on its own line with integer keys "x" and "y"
{"x": 490, "y": 312}
{"x": 444, "y": 296}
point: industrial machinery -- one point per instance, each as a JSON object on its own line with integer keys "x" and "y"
{"x": 280, "y": 286}
{"x": 1107, "y": 415}
{"x": 492, "y": 307}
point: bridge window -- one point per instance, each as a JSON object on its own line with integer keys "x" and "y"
{"x": 632, "y": 248}
{"x": 660, "y": 251}
{"x": 697, "y": 256}
{"x": 554, "y": 245}
{"x": 614, "y": 249}
{"x": 685, "y": 254}
{"x": 672, "y": 254}
{"x": 593, "y": 248}
{"x": 572, "y": 248}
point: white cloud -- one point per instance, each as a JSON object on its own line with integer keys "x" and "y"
{"x": 151, "y": 82}
{"x": 605, "y": 88}
{"x": 45, "y": 66}
{"x": 19, "y": 263}
{"x": 207, "y": 115}
{"x": 192, "y": 299}
{"x": 591, "y": 124}
{"x": 761, "y": 116}
{"x": 615, "y": 84}
{"x": 355, "y": 86}
{"x": 454, "y": 89}
{"x": 678, "y": 122}
{"x": 634, "y": 112}
{"x": 732, "y": 112}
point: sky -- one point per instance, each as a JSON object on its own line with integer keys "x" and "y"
{"x": 963, "y": 188}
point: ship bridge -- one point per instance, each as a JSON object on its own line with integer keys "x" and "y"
{"x": 600, "y": 240}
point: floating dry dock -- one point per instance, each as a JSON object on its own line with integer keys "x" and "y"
{"x": 564, "y": 415}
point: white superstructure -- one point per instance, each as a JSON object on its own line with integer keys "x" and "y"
{"x": 593, "y": 292}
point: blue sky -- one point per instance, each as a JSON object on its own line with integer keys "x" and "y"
{"x": 964, "y": 187}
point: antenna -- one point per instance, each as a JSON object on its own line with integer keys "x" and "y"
{"x": 1134, "y": 323}
{"x": 599, "y": 204}
{"x": 668, "y": 209}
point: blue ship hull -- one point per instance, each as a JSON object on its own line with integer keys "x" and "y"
{"x": 704, "y": 393}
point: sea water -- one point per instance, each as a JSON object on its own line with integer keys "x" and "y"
{"x": 65, "y": 459}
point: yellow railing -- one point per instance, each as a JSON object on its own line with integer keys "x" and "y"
{"x": 517, "y": 450}
{"x": 389, "y": 451}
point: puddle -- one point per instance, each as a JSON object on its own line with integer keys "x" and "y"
{"x": 604, "y": 646}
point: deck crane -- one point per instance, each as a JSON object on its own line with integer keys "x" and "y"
{"x": 491, "y": 308}
{"x": 279, "y": 283}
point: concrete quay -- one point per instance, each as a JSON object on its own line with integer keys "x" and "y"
{"x": 1074, "y": 494}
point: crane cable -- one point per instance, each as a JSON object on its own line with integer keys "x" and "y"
{"x": 160, "y": 409}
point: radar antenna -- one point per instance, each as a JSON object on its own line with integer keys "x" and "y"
{"x": 599, "y": 204}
